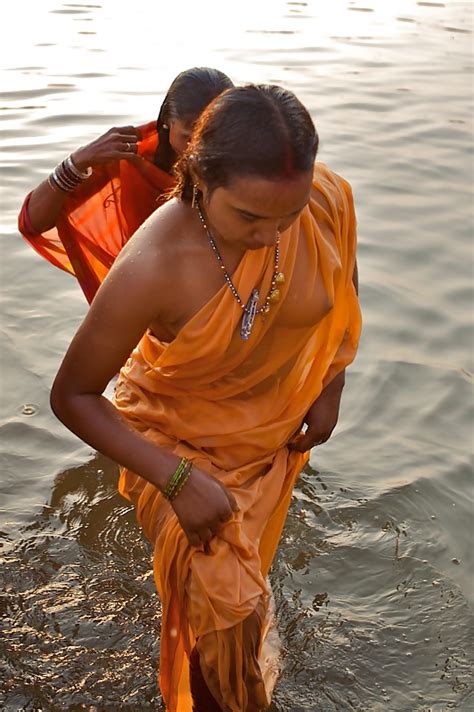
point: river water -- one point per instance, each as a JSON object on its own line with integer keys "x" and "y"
{"x": 373, "y": 579}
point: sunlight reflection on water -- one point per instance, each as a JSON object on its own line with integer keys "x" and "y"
{"x": 373, "y": 579}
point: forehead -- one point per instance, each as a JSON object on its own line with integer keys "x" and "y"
{"x": 268, "y": 197}
{"x": 184, "y": 125}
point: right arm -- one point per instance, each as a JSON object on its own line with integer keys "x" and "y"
{"x": 46, "y": 203}
{"x": 113, "y": 326}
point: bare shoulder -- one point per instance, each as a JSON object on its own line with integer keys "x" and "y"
{"x": 159, "y": 238}
{"x": 164, "y": 275}
{"x": 154, "y": 255}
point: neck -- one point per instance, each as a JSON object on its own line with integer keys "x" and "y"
{"x": 209, "y": 231}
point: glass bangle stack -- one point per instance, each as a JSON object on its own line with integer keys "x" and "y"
{"x": 66, "y": 176}
{"x": 178, "y": 479}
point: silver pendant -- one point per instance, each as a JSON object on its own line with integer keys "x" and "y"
{"x": 250, "y": 312}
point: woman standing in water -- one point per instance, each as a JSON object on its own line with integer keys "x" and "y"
{"x": 81, "y": 216}
{"x": 240, "y": 292}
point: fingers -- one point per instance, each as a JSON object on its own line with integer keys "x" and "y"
{"x": 193, "y": 538}
{"x": 232, "y": 501}
{"x": 203, "y": 508}
{"x": 224, "y": 518}
{"x": 116, "y": 144}
{"x": 305, "y": 441}
{"x": 127, "y": 137}
{"x": 203, "y": 536}
{"x": 129, "y": 131}
{"x": 124, "y": 131}
{"x": 297, "y": 434}
{"x": 127, "y": 151}
{"x": 127, "y": 145}
{"x": 121, "y": 141}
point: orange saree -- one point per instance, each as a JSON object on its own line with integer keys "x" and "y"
{"x": 231, "y": 406}
{"x": 101, "y": 215}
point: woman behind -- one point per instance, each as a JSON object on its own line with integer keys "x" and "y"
{"x": 81, "y": 216}
{"x": 240, "y": 293}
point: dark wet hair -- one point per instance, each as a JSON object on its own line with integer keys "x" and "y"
{"x": 255, "y": 130}
{"x": 190, "y": 93}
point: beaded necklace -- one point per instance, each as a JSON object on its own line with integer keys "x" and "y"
{"x": 251, "y": 308}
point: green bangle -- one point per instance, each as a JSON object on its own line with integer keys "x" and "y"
{"x": 175, "y": 478}
{"x": 183, "y": 481}
{"x": 178, "y": 485}
{"x": 176, "y": 475}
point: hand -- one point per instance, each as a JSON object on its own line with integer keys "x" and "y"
{"x": 115, "y": 144}
{"x": 321, "y": 418}
{"x": 203, "y": 506}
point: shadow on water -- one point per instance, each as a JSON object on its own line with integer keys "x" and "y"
{"x": 364, "y": 623}
{"x": 80, "y": 613}
{"x": 373, "y": 577}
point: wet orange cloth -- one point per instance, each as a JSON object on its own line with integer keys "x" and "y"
{"x": 101, "y": 215}
{"x": 231, "y": 406}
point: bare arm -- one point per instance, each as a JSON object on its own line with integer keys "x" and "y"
{"x": 46, "y": 203}
{"x": 355, "y": 278}
{"x": 97, "y": 352}
{"x": 111, "y": 329}
{"x": 323, "y": 415}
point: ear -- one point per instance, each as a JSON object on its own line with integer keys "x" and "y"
{"x": 196, "y": 176}
{"x": 194, "y": 170}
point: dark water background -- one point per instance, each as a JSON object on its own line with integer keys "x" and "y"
{"x": 373, "y": 579}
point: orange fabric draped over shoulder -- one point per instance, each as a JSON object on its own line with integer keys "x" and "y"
{"x": 231, "y": 406}
{"x": 101, "y": 214}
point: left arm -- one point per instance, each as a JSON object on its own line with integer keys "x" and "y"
{"x": 322, "y": 416}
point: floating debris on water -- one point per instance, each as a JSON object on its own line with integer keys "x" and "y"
{"x": 29, "y": 409}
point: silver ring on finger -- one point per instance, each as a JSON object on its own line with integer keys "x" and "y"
{"x": 128, "y": 146}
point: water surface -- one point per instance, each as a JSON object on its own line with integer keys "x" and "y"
{"x": 373, "y": 578}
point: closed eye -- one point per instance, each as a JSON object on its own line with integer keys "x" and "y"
{"x": 249, "y": 218}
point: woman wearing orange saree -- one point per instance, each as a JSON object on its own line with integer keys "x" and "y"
{"x": 241, "y": 315}
{"x": 81, "y": 216}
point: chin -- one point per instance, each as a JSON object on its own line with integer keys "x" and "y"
{"x": 253, "y": 246}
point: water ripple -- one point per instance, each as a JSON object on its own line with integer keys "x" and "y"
{"x": 373, "y": 579}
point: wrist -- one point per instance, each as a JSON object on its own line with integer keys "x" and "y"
{"x": 81, "y": 159}
{"x": 177, "y": 481}
{"x": 162, "y": 468}
{"x": 335, "y": 386}
{"x": 66, "y": 177}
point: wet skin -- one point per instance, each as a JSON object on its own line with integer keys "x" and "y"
{"x": 246, "y": 215}
{"x": 168, "y": 271}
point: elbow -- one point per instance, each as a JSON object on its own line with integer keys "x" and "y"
{"x": 70, "y": 404}
{"x": 31, "y": 224}
{"x": 60, "y": 402}
{"x": 56, "y": 401}
{"x": 38, "y": 227}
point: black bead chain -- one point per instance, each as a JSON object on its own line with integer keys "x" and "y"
{"x": 265, "y": 308}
